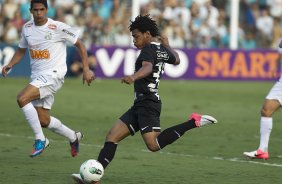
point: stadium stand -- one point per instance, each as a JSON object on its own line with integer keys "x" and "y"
{"x": 187, "y": 23}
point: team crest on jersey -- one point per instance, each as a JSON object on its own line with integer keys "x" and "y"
{"x": 52, "y": 26}
{"x": 48, "y": 36}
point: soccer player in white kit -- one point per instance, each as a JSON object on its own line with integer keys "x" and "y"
{"x": 272, "y": 103}
{"x": 45, "y": 39}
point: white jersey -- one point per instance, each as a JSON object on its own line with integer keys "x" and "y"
{"x": 47, "y": 46}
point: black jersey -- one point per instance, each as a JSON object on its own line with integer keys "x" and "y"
{"x": 158, "y": 55}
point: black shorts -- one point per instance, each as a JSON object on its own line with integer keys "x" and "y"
{"x": 143, "y": 116}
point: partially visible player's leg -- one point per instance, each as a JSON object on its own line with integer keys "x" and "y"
{"x": 266, "y": 123}
{"x": 56, "y": 126}
{"x": 28, "y": 94}
{"x": 48, "y": 85}
{"x": 156, "y": 141}
{"x": 118, "y": 132}
{"x": 269, "y": 107}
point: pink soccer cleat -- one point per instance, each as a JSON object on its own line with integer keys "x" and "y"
{"x": 257, "y": 154}
{"x": 202, "y": 120}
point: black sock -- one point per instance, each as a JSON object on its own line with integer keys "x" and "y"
{"x": 107, "y": 153}
{"x": 171, "y": 134}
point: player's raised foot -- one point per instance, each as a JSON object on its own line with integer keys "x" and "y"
{"x": 75, "y": 145}
{"x": 78, "y": 180}
{"x": 257, "y": 154}
{"x": 39, "y": 146}
{"x": 202, "y": 120}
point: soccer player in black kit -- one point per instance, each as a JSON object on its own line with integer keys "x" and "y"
{"x": 144, "y": 115}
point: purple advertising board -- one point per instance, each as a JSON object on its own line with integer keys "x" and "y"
{"x": 196, "y": 64}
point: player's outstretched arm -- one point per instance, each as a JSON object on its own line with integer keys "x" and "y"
{"x": 88, "y": 75}
{"x": 144, "y": 71}
{"x": 15, "y": 60}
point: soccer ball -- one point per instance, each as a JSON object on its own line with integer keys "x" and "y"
{"x": 91, "y": 171}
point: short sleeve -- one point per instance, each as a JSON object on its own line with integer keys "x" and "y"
{"x": 69, "y": 33}
{"x": 171, "y": 58}
{"x": 146, "y": 55}
{"x": 23, "y": 42}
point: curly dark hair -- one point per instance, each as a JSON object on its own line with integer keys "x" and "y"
{"x": 44, "y": 2}
{"x": 145, "y": 23}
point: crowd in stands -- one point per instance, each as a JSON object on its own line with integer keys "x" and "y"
{"x": 187, "y": 23}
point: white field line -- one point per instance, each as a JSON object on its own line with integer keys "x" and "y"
{"x": 166, "y": 153}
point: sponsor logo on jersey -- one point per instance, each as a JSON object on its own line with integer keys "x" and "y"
{"x": 39, "y": 54}
{"x": 162, "y": 55}
{"x": 68, "y": 32}
{"x": 52, "y": 26}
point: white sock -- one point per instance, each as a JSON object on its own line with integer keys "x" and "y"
{"x": 58, "y": 127}
{"x": 31, "y": 116}
{"x": 265, "y": 130}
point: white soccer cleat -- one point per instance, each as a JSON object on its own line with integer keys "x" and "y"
{"x": 202, "y": 120}
{"x": 257, "y": 154}
{"x": 77, "y": 178}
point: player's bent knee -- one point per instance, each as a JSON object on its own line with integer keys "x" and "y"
{"x": 266, "y": 113}
{"x": 112, "y": 138}
{"x": 21, "y": 100}
{"x": 44, "y": 122}
{"x": 153, "y": 147}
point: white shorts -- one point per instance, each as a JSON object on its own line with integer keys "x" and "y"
{"x": 48, "y": 85}
{"x": 276, "y": 92}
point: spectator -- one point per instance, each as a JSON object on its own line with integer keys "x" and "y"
{"x": 222, "y": 35}
{"x": 175, "y": 35}
{"x": 275, "y": 8}
{"x": 103, "y": 7}
{"x": 248, "y": 42}
{"x": 18, "y": 21}
{"x": 24, "y": 9}
{"x": 51, "y": 9}
{"x": 277, "y": 33}
{"x": 76, "y": 67}
{"x": 10, "y": 35}
{"x": 209, "y": 12}
{"x": 264, "y": 25}
{"x": 122, "y": 37}
{"x": 9, "y": 8}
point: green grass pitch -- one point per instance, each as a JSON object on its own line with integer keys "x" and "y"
{"x": 208, "y": 155}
